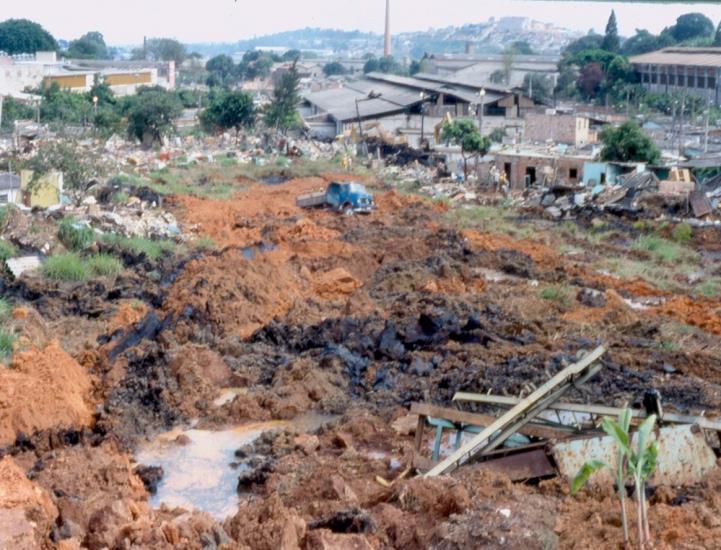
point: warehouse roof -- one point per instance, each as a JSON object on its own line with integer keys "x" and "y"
{"x": 341, "y": 104}
{"x": 698, "y": 57}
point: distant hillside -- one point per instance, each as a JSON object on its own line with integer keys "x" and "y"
{"x": 491, "y": 36}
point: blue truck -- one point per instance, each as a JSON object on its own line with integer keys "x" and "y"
{"x": 347, "y": 197}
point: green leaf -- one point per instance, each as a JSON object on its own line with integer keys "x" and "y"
{"x": 643, "y": 435}
{"x": 612, "y": 428}
{"x": 586, "y": 471}
{"x": 650, "y": 460}
{"x": 624, "y": 420}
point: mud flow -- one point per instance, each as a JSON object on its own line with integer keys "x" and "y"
{"x": 254, "y": 392}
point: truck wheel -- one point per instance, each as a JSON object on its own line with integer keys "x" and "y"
{"x": 347, "y": 209}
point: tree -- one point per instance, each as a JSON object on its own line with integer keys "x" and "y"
{"x": 89, "y": 46}
{"x": 13, "y": 110}
{"x": 102, "y": 91}
{"x": 164, "y": 49}
{"x": 291, "y": 55}
{"x": 229, "y": 110}
{"x": 644, "y": 42}
{"x": 24, "y": 36}
{"x": 628, "y": 143}
{"x": 497, "y": 77}
{"x": 463, "y": 132}
{"x": 691, "y": 25}
{"x": 221, "y": 69}
{"x": 386, "y": 65}
{"x": 80, "y": 168}
{"x": 717, "y": 37}
{"x": 333, "y": 68}
{"x": 611, "y": 42}
{"x": 282, "y": 113}
{"x": 538, "y": 86}
{"x": 522, "y": 47}
{"x": 588, "y": 42}
{"x": 590, "y": 80}
{"x": 151, "y": 115}
{"x": 508, "y": 58}
{"x": 64, "y": 107}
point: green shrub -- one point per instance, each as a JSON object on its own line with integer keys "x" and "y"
{"x": 7, "y": 341}
{"x": 120, "y": 197}
{"x": 104, "y": 265}
{"x": 7, "y": 251}
{"x": 66, "y": 267}
{"x": 710, "y": 288}
{"x": 556, "y": 293}
{"x": 204, "y": 244}
{"x": 682, "y": 233}
{"x": 75, "y": 236}
{"x": 153, "y": 249}
{"x": 661, "y": 249}
{"x": 6, "y": 309}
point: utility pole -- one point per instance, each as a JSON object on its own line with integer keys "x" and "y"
{"x": 680, "y": 126}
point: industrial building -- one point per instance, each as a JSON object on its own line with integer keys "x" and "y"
{"x": 695, "y": 71}
{"x": 410, "y": 106}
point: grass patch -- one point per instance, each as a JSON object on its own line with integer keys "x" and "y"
{"x": 682, "y": 233}
{"x": 6, "y": 309}
{"x": 75, "y": 236}
{"x": 120, "y": 197}
{"x": 663, "y": 250}
{"x": 104, "y": 265}
{"x": 557, "y": 293}
{"x": 153, "y": 249}
{"x": 7, "y": 342}
{"x": 710, "y": 288}
{"x": 7, "y": 251}
{"x": 66, "y": 267}
{"x": 204, "y": 243}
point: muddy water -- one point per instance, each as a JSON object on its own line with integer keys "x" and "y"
{"x": 199, "y": 475}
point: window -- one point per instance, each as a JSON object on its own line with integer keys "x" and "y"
{"x": 573, "y": 173}
{"x": 654, "y": 78}
{"x": 3, "y": 198}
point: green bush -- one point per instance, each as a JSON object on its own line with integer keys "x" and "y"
{"x": 6, "y": 309}
{"x": 556, "y": 293}
{"x": 7, "y": 341}
{"x": 661, "y": 249}
{"x": 104, "y": 265}
{"x": 75, "y": 236}
{"x": 7, "y": 250}
{"x": 66, "y": 267}
{"x": 682, "y": 233}
{"x": 153, "y": 249}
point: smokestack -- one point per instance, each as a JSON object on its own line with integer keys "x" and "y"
{"x": 387, "y": 43}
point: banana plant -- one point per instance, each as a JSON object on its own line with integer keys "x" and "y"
{"x": 642, "y": 464}
{"x": 619, "y": 431}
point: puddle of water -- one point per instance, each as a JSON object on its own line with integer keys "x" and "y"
{"x": 198, "y": 475}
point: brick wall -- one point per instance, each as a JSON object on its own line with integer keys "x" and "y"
{"x": 569, "y": 129}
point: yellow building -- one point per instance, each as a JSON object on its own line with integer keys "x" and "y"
{"x": 43, "y": 193}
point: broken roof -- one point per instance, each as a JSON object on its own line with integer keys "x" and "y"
{"x": 698, "y": 57}
{"x": 345, "y": 104}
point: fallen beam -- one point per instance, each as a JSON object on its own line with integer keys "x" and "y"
{"x": 522, "y": 413}
{"x": 475, "y": 419}
{"x": 598, "y": 410}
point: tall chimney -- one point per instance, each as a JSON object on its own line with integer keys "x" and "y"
{"x": 387, "y": 43}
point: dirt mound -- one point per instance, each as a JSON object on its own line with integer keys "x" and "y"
{"x": 267, "y": 524}
{"x": 27, "y": 513}
{"x": 235, "y": 295}
{"x": 493, "y": 242}
{"x": 128, "y": 313}
{"x": 699, "y": 312}
{"x": 43, "y": 389}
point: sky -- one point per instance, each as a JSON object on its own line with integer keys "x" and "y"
{"x": 126, "y": 22}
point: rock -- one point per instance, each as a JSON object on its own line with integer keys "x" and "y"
{"x": 343, "y": 491}
{"x": 324, "y": 539}
{"x": 150, "y": 476}
{"x": 405, "y": 425}
{"x": 553, "y": 213}
{"x": 343, "y": 440}
{"x": 591, "y": 298}
{"x": 307, "y": 443}
{"x": 183, "y": 440}
{"x": 548, "y": 199}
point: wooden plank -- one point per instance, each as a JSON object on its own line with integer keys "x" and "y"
{"x": 419, "y": 431}
{"x": 476, "y": 419}
{"x": 600, "y": 410}
{"x": 513, "y": 415}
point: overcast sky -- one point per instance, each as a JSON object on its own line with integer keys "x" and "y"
{"x": 127, "y": 21}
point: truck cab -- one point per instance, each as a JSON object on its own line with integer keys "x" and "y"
{"x": 349, "y": 197}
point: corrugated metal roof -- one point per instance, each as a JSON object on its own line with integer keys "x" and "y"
{"x": 340, "y": 103}
{"x": 697, "y": 57}
{"x": 440, "y": 85}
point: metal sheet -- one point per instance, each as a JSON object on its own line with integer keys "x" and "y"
{"x": 683, "y": 456}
